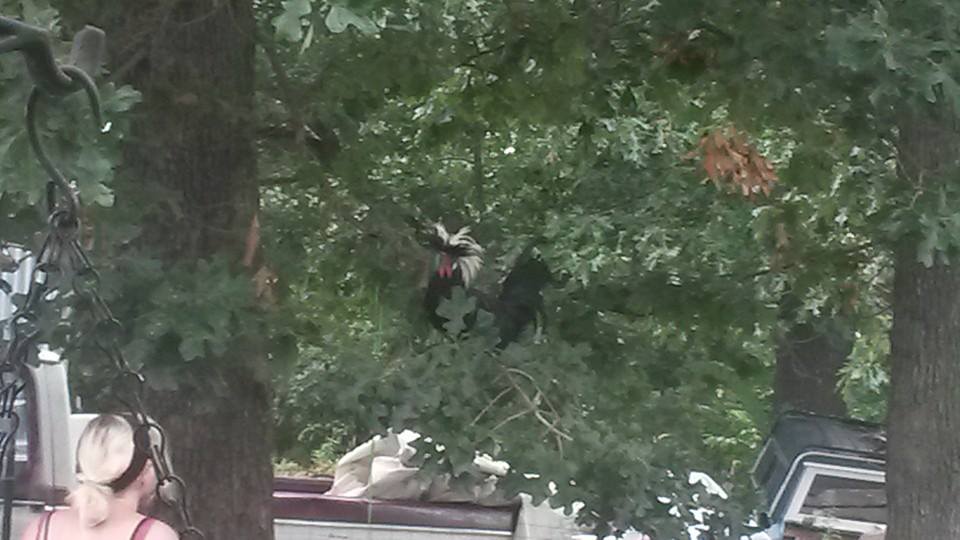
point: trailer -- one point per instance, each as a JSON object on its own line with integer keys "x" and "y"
{"x": 824, "y": 477}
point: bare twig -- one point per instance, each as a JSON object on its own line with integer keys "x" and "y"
{"x": 533, "y": 404}
{"x": 478, "y": 174}
{"x": 286, "y": 89}
{"x": 325, "y": 145}
{"x": 533, "y": 381}
{"x": 509, "y": 419}
{"x": 120, "y": 73}
{"x": 491, "y": 404}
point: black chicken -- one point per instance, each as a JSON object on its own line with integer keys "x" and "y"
{"x": 457, "y": 262}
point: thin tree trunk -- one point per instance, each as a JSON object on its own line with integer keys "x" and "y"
{"x": 192, "y": 152}
{"x": 809, "y": 359}
{"x": 923, "y": 464}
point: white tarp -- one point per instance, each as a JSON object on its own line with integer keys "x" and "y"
{"x": 379, "y": 469}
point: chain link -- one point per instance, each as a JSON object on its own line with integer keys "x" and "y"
{"x": 129, "y": 386}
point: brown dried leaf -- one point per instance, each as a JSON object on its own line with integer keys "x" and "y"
{"x": 730, "y": 160}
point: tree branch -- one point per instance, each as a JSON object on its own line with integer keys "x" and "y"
{"x": 478, "y": 174}
{"x": 510, "y": 418}
{"x": 326, "y": 145}
{"x": 491, "y": 404}
{"x": 534, "y": 405}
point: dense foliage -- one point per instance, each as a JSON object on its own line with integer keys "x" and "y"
{"x": 680, "y": 175}
{"x": 574, "y": 130}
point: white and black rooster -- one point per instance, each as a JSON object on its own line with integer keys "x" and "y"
{"x": 457, "y": 261}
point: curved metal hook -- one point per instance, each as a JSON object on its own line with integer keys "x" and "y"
{"x": 82, "y": 80}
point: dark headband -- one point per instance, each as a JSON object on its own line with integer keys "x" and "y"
{"x": 141, "y": 445}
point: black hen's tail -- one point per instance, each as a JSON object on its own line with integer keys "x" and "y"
{"x": 521, "y": 298}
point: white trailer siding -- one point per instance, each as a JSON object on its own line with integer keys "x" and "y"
{"x": 289, "y": 529}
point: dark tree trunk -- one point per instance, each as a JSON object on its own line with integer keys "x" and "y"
{"x": 923, "y": 463}
{"x": 224, "y": 455}
{"x": 809, "y": 358}
{"x": 192, "y": 152}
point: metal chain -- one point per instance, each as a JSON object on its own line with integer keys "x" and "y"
{"x": 129, "y": 384}
{"x": 62, "y": 255}
{"x": 62, "y": 259}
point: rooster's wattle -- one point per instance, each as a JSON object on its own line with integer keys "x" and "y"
{"x": 458, "y": 260}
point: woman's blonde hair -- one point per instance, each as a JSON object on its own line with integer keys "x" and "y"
{"x": 104, "y": 452}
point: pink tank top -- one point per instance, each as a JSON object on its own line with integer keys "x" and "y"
{"x": 139, "y": 533}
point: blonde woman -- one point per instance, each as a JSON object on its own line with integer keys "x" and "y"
{"x": 115, "y": 478}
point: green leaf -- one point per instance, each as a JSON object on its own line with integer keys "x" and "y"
{"x": 340, "y": 18}
{"x": 951, "y": 91}
{"x": 122, "y": 99}
{"x": 289, "y": 24}
{"x": 191, "y": 348}
{"x": 308, "y": 40}
{"x": 891, "y": 61}
{"x": 455, "y": 309}
{"x": 932, "y": 82}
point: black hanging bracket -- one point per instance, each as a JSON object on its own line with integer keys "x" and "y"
{"x": 52, "y": 78}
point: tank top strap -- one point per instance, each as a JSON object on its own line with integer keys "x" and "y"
{"x": 43, "y": 531}
{"x": 140, "y": 533}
